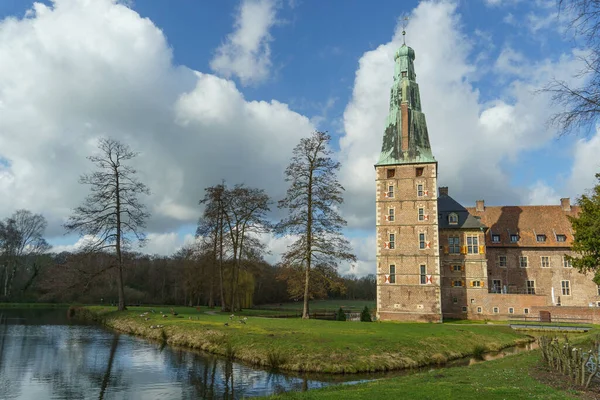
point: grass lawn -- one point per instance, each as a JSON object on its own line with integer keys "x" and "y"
{"x": 33, "y": 305}
{"x": 310, "y": 345}
{"x": 507, "y": 378}
{"x": 323, "y": 305}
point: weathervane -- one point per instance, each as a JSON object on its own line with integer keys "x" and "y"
{"x": 404, "y": 24}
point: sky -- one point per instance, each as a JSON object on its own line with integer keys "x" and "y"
{"x": 206, "y": 91}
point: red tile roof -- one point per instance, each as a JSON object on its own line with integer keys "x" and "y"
{"x": 527, "y": 222}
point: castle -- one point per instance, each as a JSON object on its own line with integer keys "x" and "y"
{"x": 437, "y": 259}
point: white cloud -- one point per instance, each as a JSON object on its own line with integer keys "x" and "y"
{"x": 542, "y": 194}
{"x": 470, "y": 138}
{"x": 81, "y": 69}
{"x": 585, "y": 165}
{"x": 246, "y": 53}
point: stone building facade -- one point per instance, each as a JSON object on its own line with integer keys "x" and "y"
{"x": 437, "y": 259}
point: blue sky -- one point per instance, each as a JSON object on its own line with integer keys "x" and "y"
{"x": 211, "y": 90}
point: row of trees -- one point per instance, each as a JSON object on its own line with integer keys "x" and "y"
{"x": 226, "y": 261}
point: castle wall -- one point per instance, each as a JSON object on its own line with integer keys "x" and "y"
{"x": 408, "y": 295}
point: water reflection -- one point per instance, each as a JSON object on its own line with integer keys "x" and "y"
{"x": 66, "y": 361}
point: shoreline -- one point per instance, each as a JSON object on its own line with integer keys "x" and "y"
{"x": 270, "y": 345}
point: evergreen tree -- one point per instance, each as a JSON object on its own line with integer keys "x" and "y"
{"x": 365, "y": 315}
{"x": 587, "y": 233}
{"x": 340, "y": 315}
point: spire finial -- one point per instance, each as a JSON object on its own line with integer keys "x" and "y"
{"x": 404, "y": 24}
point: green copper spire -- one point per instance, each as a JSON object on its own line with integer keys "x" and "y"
{"x": 405, "y": 140}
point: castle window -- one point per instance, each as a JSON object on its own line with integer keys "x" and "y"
{"x": 453, "y": 219}
{"x": 479, "y": 310}
{"x": 495, "y": 238}
{"x": 566, "y": 288}
{"x": 523, "y": 261}
{"x": 476, "y": 283}
{"x": 390, "y": 192}
{"x": 457, "y": 268}
{"x": 496, "y": 286}
{"x": 502, "y": 261}
{"x": 511, "y": 310}
{"x": 391, "y": 173}
{"x": 514, "y": 238}
{"x": 390, "y": 215}
{"x": 464, "y": 309}
{"x": 420, "y": 191}
{"x": 423, "y": 274}
{"x": 567, "y": 263}
{"x": 541, "y": 238}
{"x": 392, "y": 242}
{"x": 457, "y": 283}
{"x": 496, "y": 310}
{"x": 455, "y": 300}
{"x": 472, "y": 244}
{"x": 419, "y": 171}
{"x": 545, "y": 261}
{"x": 526, "y": 311}
{"x": 421, "y": 241}
{"x": 453, "y": 245}
{"x": 421, "y": 214}
{"x": 392, "y": 274}
{"x": 561, "y": 238}
{"x": 530, "y": 287}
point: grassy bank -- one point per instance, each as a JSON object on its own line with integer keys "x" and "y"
{"x": 309, "y": 345}
{"x": 513, "y": 377}
{"x": 32, "y": 305}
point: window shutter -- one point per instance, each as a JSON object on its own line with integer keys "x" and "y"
{"x": 427, "y": 245}
{"x": 426, "y": 217}
{"x": 482, "y": 284}
{"x": 463, "y": 283}
{"x": 446, "y": 250}
{"x": 481, "y": 249}
{"x": 463, "y": 249}
{"x": 462, "y": 268}
{"x": 386, "y": 245}
{"x": 451, "y": 268}
{"x": 472, "y": 283}
{"x": 426, "y": 193}
{"x": 385, "y": 194}
{"x": 386, "y": 218}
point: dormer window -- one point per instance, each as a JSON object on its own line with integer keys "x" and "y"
{"x": 391, "y": 173}
{"x": 514, "y": 238}
{"x": 453, "y": 219}
{"x": 541, "y": 238}
{"x": 561, "y": 238}
{"x": 495, "y": 238}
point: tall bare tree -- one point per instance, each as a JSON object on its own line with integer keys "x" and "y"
{"x": 312, "y": 200}
{"x": 580, "y": 103}
{"x": 111, "y": 215}
{"x": 21, "y": 242}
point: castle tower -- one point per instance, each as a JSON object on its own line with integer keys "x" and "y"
{"x": 408, "y": 265}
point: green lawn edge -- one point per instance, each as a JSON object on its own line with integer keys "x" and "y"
{"x": 506, "y": 378}
{"x": 307, "y": 345}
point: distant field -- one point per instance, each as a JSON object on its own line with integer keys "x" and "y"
{"x": 323, "y": 305}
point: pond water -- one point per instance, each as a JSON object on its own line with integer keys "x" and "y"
{"x": 43, "y": 355}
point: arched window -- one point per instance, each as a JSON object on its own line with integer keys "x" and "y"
{"x": 453, "y": 219}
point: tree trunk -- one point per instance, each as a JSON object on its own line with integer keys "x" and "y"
{"x": 120, "y": 288}
{"x": 223, "y": 305}
{"x": 309, "y": 221}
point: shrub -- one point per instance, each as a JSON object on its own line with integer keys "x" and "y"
{"x": 479, "y": 351}
{"x": 275, "y": 358}
{"x": 365, "y": 315}
{"x": 341, "y": 315}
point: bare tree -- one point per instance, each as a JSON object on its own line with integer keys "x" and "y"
{"x": 312, "y": 200}
{"x": 245, "y": 217}
{"x": 21, "y": 241}
{"x": 111, "y": 215}
{"x": 580, "y": 103}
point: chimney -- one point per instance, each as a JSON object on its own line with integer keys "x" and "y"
{"x": 480, "y": 206}
{"x": 443, "y": 190}
{"x": 565, "y": 204}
